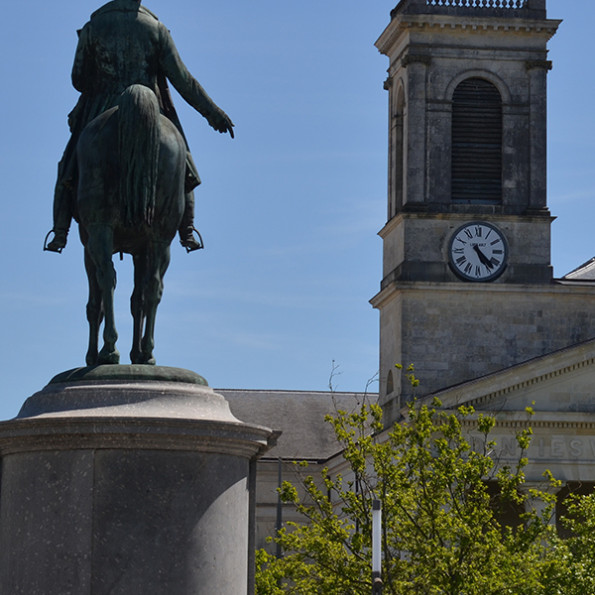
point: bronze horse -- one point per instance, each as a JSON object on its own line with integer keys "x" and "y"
{"x": 130, "y": 199}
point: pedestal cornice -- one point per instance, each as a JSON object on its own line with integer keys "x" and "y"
{"x": 140, "y": 407}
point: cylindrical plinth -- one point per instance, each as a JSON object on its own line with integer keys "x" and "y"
{"x": 126, "y": 479}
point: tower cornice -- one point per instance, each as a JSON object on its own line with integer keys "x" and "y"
{"x": 419, "y": 23}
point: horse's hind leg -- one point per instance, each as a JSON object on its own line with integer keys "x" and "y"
{"x": 99, "y": 247}
{"x": 137, "y": 307}
{"x": 158, "y": 261}
{"x": 94, "y": 310}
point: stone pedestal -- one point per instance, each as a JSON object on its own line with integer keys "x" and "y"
{"x": 126, "y": 479}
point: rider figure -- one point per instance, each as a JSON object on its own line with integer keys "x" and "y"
{"x": 124, "y": 44}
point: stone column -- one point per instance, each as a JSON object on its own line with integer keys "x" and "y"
{"x": 126, "y": 479}
{"x": 537, "y": 72}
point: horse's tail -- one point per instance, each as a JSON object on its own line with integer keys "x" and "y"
{"x": 138, "y": 139}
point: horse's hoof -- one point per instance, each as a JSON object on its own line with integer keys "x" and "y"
{"x": 91, "y": 360}
{"x": 138, "y": 357}
{"x": 144, "y": 359}
{"x": 108, "y": 358}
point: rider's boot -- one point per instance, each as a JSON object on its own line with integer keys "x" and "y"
{"x": 59, "y": 241}
{"x": 62, "y": 219}
{"x": 187, "y": 229}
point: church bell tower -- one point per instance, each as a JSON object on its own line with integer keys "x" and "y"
{"x": 467, "y": 278}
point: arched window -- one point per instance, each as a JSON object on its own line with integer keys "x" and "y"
{"x": 476, "y": 143}
{"x": 390, "y": 384}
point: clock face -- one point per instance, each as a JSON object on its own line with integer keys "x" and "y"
{"x": 478, "y": 251}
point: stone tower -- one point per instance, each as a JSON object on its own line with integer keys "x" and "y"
{"x": 467, "y": 285}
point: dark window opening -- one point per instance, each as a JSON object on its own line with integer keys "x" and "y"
{"x": 390, "y": 385}
{"x": 476, "y": 143}
{"x": 578, "y": 488}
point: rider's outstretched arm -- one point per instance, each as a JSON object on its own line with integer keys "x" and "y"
{"x": 188, "y": 87}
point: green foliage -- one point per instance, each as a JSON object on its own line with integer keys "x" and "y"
{"x": 441, "y": 533}
{"x": 573, "y": 559}
{"x": 269, "y": 574}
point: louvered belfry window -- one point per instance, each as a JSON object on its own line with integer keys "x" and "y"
{"x": 476, "y": 143}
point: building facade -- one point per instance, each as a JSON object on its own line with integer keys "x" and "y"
{"x": 467, "y": 294}
{"x": 467, "y": 286}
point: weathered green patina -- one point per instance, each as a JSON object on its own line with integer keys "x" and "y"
{"x": 127, "y": 175}
{"x": 123, "y": 44}
{"x": 129, "y": 374}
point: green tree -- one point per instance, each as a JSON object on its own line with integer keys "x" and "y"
{"x": 573, "y": 569}
{"x": 441, "y": 528}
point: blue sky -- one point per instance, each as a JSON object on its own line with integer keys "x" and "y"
{"x": 289, "y": 210}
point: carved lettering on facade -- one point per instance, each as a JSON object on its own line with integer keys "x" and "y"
{"x": 556, "y": 447}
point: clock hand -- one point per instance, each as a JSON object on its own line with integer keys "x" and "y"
{"x": 482, "y": 257}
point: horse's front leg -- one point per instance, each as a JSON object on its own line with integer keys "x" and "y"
{"x": 94, "y": 311}
{"x": 159, "y": 257}
{"x": 99, "y": 247}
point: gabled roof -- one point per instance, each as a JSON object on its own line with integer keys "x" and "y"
{"x": 299, "y": 415}
{"x": 585, "y": 272}
{"x": 559, "y": 386}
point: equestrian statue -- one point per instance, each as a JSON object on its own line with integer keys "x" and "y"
{"x": 127, "y": 176}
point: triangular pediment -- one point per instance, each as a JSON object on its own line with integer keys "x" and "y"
{"x": 559, "y": 387}
{"x": 561, "y": 382}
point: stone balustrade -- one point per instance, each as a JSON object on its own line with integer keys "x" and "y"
{"x": 507, "y": 8}
{"x": 507, "y": 4}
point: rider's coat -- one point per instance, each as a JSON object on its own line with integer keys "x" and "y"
{"x": 125, "y": 44}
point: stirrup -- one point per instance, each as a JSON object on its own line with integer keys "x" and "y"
{"x": 189, "y": 242}
{"x": 56, "y": 245}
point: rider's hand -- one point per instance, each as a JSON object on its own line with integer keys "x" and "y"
{"x": 221, "y": 122}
